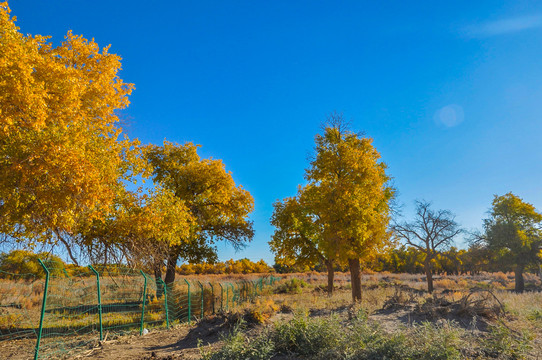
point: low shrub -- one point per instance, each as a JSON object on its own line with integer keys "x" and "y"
{"x": 261, "y": 312}
{"x": 359, "y": 339}
{"x": 292, "y": 286}
{"x": 238, "y": 346}
{"x": 307, "y": 337}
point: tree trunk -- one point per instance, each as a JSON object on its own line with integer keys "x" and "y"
{"x": 170, "y": 269}
{"x": 520, "y": 284}
{"x": 429, "y": 275}
{"x": 355, "y": 279}
{"x": 158, "y": 280}
{"x": 330, "y": 276}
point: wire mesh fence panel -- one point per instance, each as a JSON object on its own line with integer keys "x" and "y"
{"x": 214, "y": 297}
{"x": 21, "y": 296}
{"x": 69, "y": 317}
{"x": 236, "y": 294}
{"x": 155, "y": 304}
{"x": 207, "y": 299}
{"x": 178, "y": 295}
{"x": 69, "y": 309}
{"x": 198, "y": 306}
{"x": 129, "y": 301}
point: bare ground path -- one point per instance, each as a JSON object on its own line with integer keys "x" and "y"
{"x": 180, "y": 342}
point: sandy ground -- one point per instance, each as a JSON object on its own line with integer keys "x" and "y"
{"x": 180, "y": 342}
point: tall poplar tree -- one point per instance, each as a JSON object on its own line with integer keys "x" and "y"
{"x": 346, "y": 200}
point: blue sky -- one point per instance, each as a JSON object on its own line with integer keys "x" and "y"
{"x": 450, "y": 91}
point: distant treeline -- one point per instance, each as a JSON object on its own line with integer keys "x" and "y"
{"x": 404, "y": 259}
{"x": 23, "y": 262}
{"x": 243, "y": 266}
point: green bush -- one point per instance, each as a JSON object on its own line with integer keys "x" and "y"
{"x": 502, "y": 343}
{"x": 237, "y": 346}
{"x": 292, "y": 286}
{"x": 23, "y": 262}
{"x": 305, "y": 336}
{"x": 358, "y": 339}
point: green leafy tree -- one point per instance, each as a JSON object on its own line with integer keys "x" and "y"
{"x": 24, "y": 262}
{"x": 513, "y": 231}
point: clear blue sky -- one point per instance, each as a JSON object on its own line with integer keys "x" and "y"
{"x": 450, "y": 91}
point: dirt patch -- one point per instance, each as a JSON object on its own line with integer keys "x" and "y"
{"x": 180, "y": 342}
{"x": 473, "y": 311}
{"x": 18, "y": 349}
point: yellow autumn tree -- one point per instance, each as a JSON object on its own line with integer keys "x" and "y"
{"x": 60, "y": 153}
{"x": 299, "y": 235}
{"x": 138, "y": 230}
{"x": 348, "y": 191}
{"x": 219, "y": 208}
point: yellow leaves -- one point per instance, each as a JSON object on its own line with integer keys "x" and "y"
{"x": 348, "y": 191}
{"x": 218, "y": 207}
{"x": 59, "y": 156}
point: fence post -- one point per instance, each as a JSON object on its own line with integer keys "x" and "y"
{"x": 189, "y": 302}
{"x": 202, "y": 313}
{"x": 221, "y": 297}
{"x": 227, "y": 297}
{"x": 232, "y": 296}
{"x": 164, "y": 286}
{"x": 43, "y": 303}
{"x": 143, "y": 304}
{"x": 99, "y": 300}
{"x": 254, "y": 289}
{"x": 212, "y": 296}
{"x": 261, "y": 284}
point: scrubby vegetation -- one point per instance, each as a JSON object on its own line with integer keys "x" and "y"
{"x": 358, "y": 338}
{"x": 470, "y": 317}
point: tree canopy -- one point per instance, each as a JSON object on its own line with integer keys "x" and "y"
{"x": 431, "y": 232}
{"x": 345, "y": 204}
{"x": 299, "y": 236}
{"x": 217, "y": 205}
{"x": 513, "y": 230}
{"x": 61, "y": 156}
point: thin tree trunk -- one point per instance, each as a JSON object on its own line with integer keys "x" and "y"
{"x": 170, "y": 269}
{"x": 158, "y": 280}
{"x": 355, "y": 279}
{"x": 520, "y": 284}
{"x": 429, "y": 275}
{"x": 330, "y": 276}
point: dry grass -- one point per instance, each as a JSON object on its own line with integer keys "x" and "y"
{"x": 481, "y": 313}
{"x": 396, "y": 302}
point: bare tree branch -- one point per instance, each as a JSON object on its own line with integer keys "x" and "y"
{"x": 430, "y": 232}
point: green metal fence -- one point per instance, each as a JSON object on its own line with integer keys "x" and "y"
{"x": 67, "y": 311}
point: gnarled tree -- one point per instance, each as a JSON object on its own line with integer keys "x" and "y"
{"x": 430, "y": 232}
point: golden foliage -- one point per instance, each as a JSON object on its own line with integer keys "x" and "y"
{"x": 60, "y": 154}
